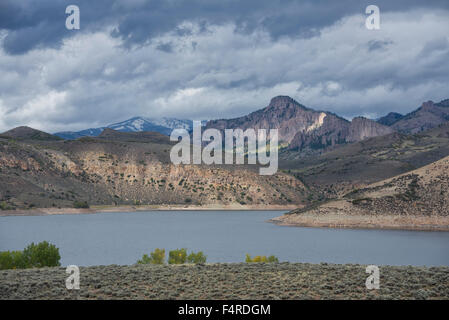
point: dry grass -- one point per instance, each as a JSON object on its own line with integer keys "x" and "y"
{"x": 228, "y": 281}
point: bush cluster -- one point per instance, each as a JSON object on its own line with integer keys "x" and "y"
{"x": 80, "y": 205}
{"x": 38, "y": 255}
{"x": 261, "y": 259}
{"x": 178, "y": 256}
{"x": 156, "y": 257}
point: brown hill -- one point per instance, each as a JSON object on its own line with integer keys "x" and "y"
{"x": 27, "y": 133}
{"x": 418, "y": 199}
{"x": 424, "y": 191}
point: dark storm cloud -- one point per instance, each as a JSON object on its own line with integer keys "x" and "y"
{"x": 40, "y": 23}
{"x": 207, "y": 59}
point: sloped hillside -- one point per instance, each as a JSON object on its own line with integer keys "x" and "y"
{"x": 128, "y": 168}
{"x": 418, "y": 199}
{"x": 27, "y": 133}
{"x": 424, "y": 191}
{"x": 359, "y": 164}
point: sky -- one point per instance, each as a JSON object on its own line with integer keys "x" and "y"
{"x": 208, "y": 59}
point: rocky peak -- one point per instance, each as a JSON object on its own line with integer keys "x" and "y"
{"x": 281, "y": 102}
{"x": 427, "y": 105}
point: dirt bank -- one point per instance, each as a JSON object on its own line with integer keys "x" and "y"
{"x": 97, "y": 209}
{"x": 340, "y": 220}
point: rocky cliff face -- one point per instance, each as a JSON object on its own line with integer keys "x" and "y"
{"x": 118, "y": 169}
{"x": 303, "y": 128}
{"x": 362, "y": 128}
{"x": 429, "y": 115}
{"x": 283, "y": 113}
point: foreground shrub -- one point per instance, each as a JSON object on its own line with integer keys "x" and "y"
{"x": 41, "y": 255}
{"x": 196, "y": 258}
{"x": 178, "y": 256}
{"x": 38, "y": 255}
{"x": 261, "y": 259}
{"x": 12, "y": 260}
{"x": 156, "y": 257}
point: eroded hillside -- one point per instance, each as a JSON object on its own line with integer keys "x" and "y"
{"x": 128, "y": 170}
{"x": 423, "y": 192}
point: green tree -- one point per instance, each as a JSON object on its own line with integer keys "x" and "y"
{"x": 12, "y": 260}
{"x": 196, "y": 258}
{"x": 156, "y": 257}
{"x": 41, "y": 255}
{"x": 178, "y": 256}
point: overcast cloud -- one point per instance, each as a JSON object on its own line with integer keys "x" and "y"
{"x": 205, "y": 59}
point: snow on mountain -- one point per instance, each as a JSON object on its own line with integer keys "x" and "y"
{"x": 135, "y": 124}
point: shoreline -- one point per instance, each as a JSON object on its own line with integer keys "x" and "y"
{"x": 134, "y": 208}
{"x": 308, "y": 220}
{"x": 346, "y": 221}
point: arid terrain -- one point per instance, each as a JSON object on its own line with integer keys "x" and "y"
{"x": 228, "y": 281}
{"x": 128, "y": 169}
{"x": 418, "y": 199}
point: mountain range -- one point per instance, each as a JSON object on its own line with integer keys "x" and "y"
{"x": 135, "y": 124}
{"x": 304, "y": 128}
{"x": 300, "y": 128}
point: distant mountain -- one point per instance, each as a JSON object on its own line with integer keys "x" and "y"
{"x": 304, "y": 128}
{"x": 143, "y": 136}
{"x": 71, "y": 135}
{"x": 390, "y": 118}
{"x": 429, "y": 115}
{"x": 135, "y": 124}
{"x": 27, "y": 133}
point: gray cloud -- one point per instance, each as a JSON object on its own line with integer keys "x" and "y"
{"x": 40, "y": 23}
{"x": 204, "y": 59}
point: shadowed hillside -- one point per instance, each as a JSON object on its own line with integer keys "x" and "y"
{"x": 361, "y": 163}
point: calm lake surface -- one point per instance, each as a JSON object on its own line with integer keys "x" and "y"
{"x": 224, "y": 236}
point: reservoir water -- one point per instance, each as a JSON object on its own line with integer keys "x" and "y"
{"x": 224, "y": 236}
